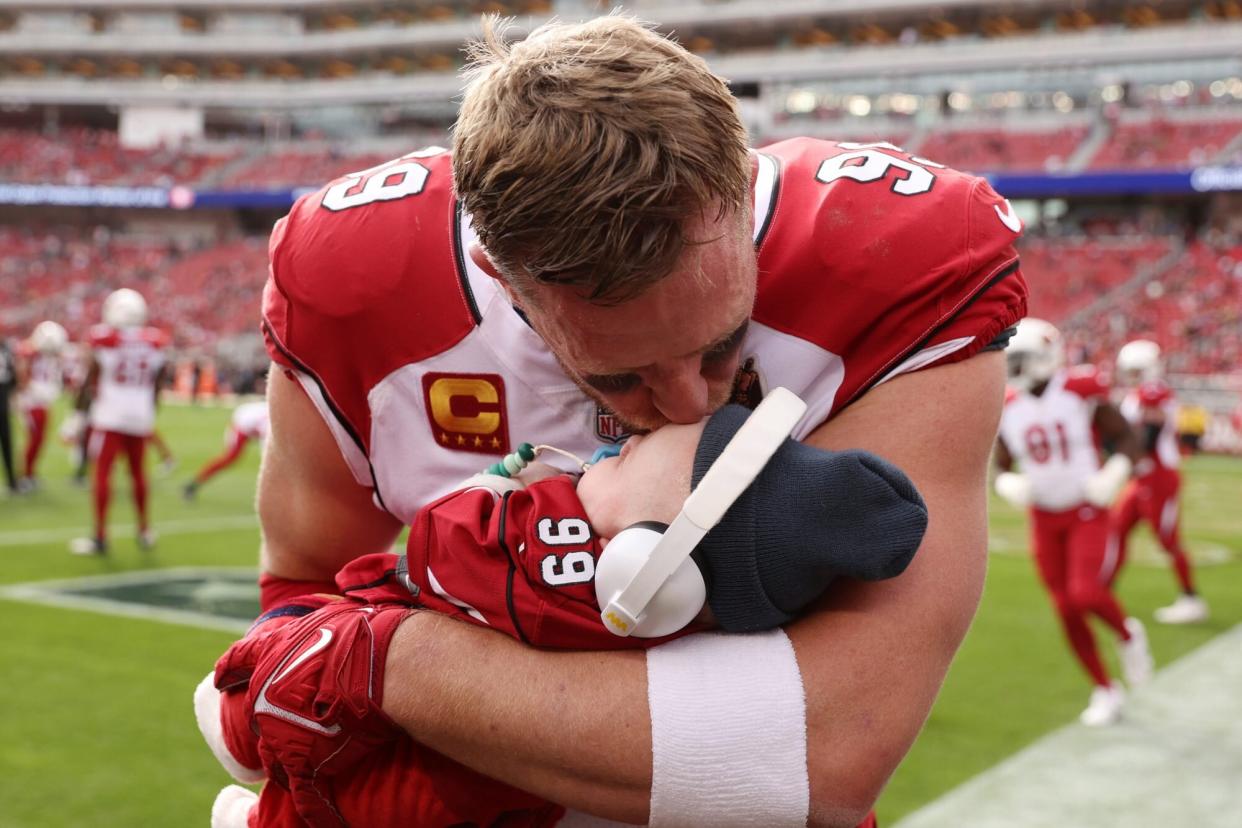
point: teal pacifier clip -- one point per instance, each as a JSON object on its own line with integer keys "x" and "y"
{"x": 511, "y": 464}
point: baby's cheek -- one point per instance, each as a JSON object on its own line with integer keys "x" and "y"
{"x": 598, "y": 493}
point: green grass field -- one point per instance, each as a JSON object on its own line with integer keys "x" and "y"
{"x": 96, "y": 716}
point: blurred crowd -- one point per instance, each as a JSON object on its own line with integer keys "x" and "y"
{"x": 200, "y": 294}
{"x": 85, "y": 156}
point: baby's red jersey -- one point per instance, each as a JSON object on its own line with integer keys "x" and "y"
{"x": 521, "y": 562}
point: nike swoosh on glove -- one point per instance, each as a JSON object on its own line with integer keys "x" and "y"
{"x": 239, "y": 756}
{"x": 300, "y": 695}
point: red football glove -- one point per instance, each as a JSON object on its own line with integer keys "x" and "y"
{"x": 301, "y": 693}
{"x": 300, "y": 697}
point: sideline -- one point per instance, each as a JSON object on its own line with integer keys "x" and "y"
{"x": 1175, "y": 759}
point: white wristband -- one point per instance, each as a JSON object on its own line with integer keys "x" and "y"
{"x": 728, "y": 732}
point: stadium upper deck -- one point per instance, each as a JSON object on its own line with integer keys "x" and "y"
{"x": 272, "y": 52}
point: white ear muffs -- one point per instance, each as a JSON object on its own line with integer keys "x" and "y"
{"x": 645, "y": 580}
{"x": 677, "y": 601}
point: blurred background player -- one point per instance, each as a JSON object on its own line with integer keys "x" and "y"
{"x": 127, "y": 365}
{"x": 40, "y": 381}
{"x": 1050, "y": 424}
{"x": 8, "y": 379}
{"x": 1153, "y": 495}
{"x": 249, "y": 422}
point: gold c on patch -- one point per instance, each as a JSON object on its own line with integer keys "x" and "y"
{"x": 467, "y": 411}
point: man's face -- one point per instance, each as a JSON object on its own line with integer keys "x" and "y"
{"x": 649, "y": 480}
{"x": 670, "y": 354}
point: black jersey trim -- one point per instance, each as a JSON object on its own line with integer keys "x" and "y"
{"x": 500, "y": 537}
{"x": 773, "y": 198}
{"x": 1001, "y": 341}
{"x": 336, "y": 412}
{"x": 286, "y": 611}
{"x": 1000, "y": 276}
{"x": 459, "y": 258}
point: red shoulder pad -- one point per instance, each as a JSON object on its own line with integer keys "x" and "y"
{"x": 103, "y": 336}
{"x": 1154, "y": 393}
{"x": 365, "y": 277}
{"x": 877, "y": 255}
{"x": 1087, "y": 382}
{"x": 156, "y": 337}
{"x": 24, "y": 349}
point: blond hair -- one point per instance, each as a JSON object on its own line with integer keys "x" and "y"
{"x": 581, "y": 152}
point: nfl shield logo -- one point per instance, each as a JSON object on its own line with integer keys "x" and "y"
{"x": 607, "y": 427}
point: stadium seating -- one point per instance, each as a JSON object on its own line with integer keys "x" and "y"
{"x": 300, "y": 168}
{"x": 997, "y": 148}
{"x": 64, "y": 273}
{"x": 1193, "y": 309}
{"x": 1161, "y": 142}
{"x": 1066, "y": 274}
{"x": 79, "y": 156}
{"x": 1193, "y": 306}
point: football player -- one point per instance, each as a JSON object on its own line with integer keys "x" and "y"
{"x": 525, "y": 559}
{"x": 8, "y": 381}
{"x": 600, "y": 250}
{"x": 40, "y": 380}
{"x": 249, "y": 422}
{"x": 1154, "y": 494}
{"x": 120, "y": 391}
{"x": 1052, "y": 420}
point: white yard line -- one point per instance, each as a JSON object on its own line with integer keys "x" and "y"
{"x": 193, "y": 526}
{"x": 1176, "y": 759}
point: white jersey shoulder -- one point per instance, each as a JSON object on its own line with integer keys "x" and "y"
{"x": 129, "y": 363}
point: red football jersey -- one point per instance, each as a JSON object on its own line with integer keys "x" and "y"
{"x": 872, "y": 263}
{"x": 521, "y": 562}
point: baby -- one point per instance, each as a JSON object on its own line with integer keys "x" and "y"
{"x": 520, "y": 556}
